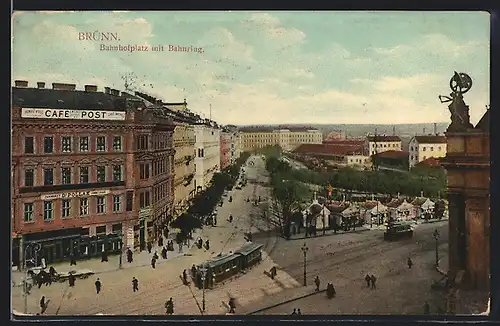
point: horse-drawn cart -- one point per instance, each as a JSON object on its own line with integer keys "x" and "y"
{"x": 40, "y": 276}
{"x": 81, "y": 274}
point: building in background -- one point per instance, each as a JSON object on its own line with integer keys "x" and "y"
{"x": 335, "y": 135}
{"x": 376, "y": 144}
{"x": 423, "y": 147}
{"x": 234, "y": 143}
{"x": 225, "y": 150}
{"x": 76, "y": 188}
{"x": 335, "y": 156}
{"x": 288, "y": 138}
{"x": 207, "y": 160}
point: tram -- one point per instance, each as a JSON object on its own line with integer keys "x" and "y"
{"x": 398, "y": 231}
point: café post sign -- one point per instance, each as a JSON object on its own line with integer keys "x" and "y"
{"x": 68, "y": 114}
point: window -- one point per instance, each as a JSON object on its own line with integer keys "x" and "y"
{"x": 66, "y": 144}
{"x": 84, "y": 174}
{"x": 200, "y": 152}
{"x": 117, "y": 203}
{"x": 66, "y": 176}
{"x": 84, "y": 206}
{"x": 411, "y": 148}
{"x": 142, "y": 142}
{"x": 423, "y": 149}
{"x": 439, "y": 148}
{"x": 48, "y": 145}
{"x": 424, "y": 158}
{"x": 117, "y": 144}
{"x": 101, "y": 174}
{"x": 29, "y": 145}
{"x": 48, "y": 176}
{"x": 130, "y": 201}
{"x": 48, "y": 210}
{"x": 101, "y": 204}
{"x": 117, "y": 172}
{"x": 100, "y": 144}
{"x": 144, "y": 200}
{"x": 84, "y": 144}
{"x": 28, "y": 212}
{"x": 66, "y": 208}
{"x": 100, "y": 229}
{"x": 432, "y": 149}
{"x": 411, "y": 157}
{"x": 29, "y": 177}
{"x": 144, "y": 171}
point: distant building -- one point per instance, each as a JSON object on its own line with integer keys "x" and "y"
{"x": 424, "y": 147}
{"x": 225, "y": 150}
{"x": 288, "y": 138}
{"x": 379, "y": 143}
{"x": 389, "y": 160}
{"x": 207, "y": 160}
{"x": 336, "y": 135}
{"x": 335, "y": 155}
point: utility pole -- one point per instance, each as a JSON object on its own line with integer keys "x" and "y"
{"x": 304, "y": 250}
{"x": 203, "y": 272}
{"x": 436, "y": 237}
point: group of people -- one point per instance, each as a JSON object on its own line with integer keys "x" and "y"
{"x": 199, "y": 243}
{"x": 370, "y": 281}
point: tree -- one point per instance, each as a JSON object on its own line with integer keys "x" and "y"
{"x": 439, "y": 208}
{"x": 288, "y": 195}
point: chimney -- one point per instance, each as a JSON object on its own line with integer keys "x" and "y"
{"x": 21, "y": 83}
{"x": 435, "y": 129}
{"x": 422, "y": 193}
{"x": 114, "y": 92}
{"x": 394, "y": 130}
{"x": 423, "y": 133}
{"x": 63, "y": 86}
{"x": 91, "y": 88}
{"x": 107, "y": 90}
{"x": 40, "y": 85}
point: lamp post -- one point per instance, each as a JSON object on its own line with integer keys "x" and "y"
{"x": 203, "y": 271}
{"x": 120, "y": 234}
{"x": 304, "y": 250}
{"x": 436, "y": 236}
{"x": 35, "y": 248}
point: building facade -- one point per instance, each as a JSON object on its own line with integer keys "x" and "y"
{"x": 207, "y": 160}
{"x": 288, "y": 138}
{"x": 424, "y": 147}
{"x": 380, "y": 143}
{"x": 225, "y": 150}
{"x": 334, "y": 155}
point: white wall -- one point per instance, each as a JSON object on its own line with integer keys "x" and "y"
{"x": 207, "y": 154}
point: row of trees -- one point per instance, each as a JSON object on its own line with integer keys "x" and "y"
{"x": 206, "y": 200}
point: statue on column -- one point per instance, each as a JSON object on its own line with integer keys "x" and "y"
{"x": 460, "y": 84}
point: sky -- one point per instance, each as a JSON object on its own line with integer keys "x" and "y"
{"x": 268, "y": 67}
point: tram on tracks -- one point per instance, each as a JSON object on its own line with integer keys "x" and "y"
{"x": 226, "y": 266}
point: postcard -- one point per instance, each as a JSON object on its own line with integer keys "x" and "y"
{"x": 250, "y": 163}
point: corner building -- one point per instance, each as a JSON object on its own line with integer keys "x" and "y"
{"x": 87, "y": 167}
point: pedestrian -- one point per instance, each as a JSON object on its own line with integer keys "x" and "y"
{"x": 164, "y": 253}
{"x": 71, "y": 280}
{"x": 207, "y": 245}
{"x": 160, "y": 241}
{"x": 215, "y": 220}
{"x": 149, "y": 246}
{"x": 373, "y": 280}
{"x": 135, "y": 284}
{"x": 165, "y": 233}
{"x": 155, "y": 255}
{"x": 72, "y": 260}
{"x": 409, "y": 262}
{"x": 274, "y": 272}
{"x": 104, "y": 256}
{"x": 184, "y": 276}
{"x": 200, "y": 243}
{"x": 232, "y": 306}
{"x": 130, "y": 257}
{"x": 169, "y": 306}
{"x": 153, "y": 262}
{"x": 294, "y": 311}
{"x": 43, "y": 305}
{"x": 298, "y": 312}
{"x": 44, "y": 264}
{"x": 427, "y": 308}
{"x": 368, "y": 280}
{"x": 193, "y": 271}
{"x": 98, "y": 286}
{"x": 317, "y": 282}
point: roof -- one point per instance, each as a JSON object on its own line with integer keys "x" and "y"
{"x": 248, "y": 248}
{"x": 382, "y": 138}
{"x": 250, "y": 129}
{"x": 329, "y": 149}
{"x": 419, "y": 201}
{"x": 484, "y": 123}
{"x": 394, "y": 203}
{"x": 369, "y": 204}
{"x": 392, "y": 154}
{"x": 256, "y": 129}
{"x": 337, "y": 208}
{"x": 345, "y": 142}
{"x": 430, "y": 162}
{"x": 221, "y": 260}
{"x": 65, "y": 99}
{"x": 431, "y": 139}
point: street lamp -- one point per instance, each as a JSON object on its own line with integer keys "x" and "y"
{"x": 203, "y": 271}
{"x": 304, "y": 250}
{"x": 34, "y": 251}
{"x": 436, "y": 235}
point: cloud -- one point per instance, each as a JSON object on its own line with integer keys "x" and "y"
{"x": 221, "y": 43}
{"x": 271, "y": 27}
{"x": 392, "y": 84}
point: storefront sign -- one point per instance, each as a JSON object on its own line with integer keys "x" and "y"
{"x": 66, "y": 114}
{"x": 143, "y": 213}
{"x": 76, "y": 194}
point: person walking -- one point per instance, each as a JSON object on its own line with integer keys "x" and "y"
{"x": 409, "y": 262}
{"x": 153, "y": 262}
{"x": 294, "y": 311}
{"x": 104, "y": 256}
{"x": 130, "y": 256}
{"x": 43, "y": 305}
{"x": 299, "y": 312}
{"x": 169, "y": 306}
{"x": 71, "y": 280}
{"x": 160, "y": 241}
{"x": 98, "y": 286}
{"x": 149, "y": 246}
{"x": 317, "y": 283}
{"x": 373, "y": 280}
{"x": 135, "y": 284}
{"x": 232, "y": 306}
{"x": 164, "y": 253}
{"x": 368, "y": 280}
{"x": 72, "y": 260}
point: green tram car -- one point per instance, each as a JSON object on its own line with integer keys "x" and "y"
{"x": 224, "y": 267}
{"x": 398, "y": 231}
